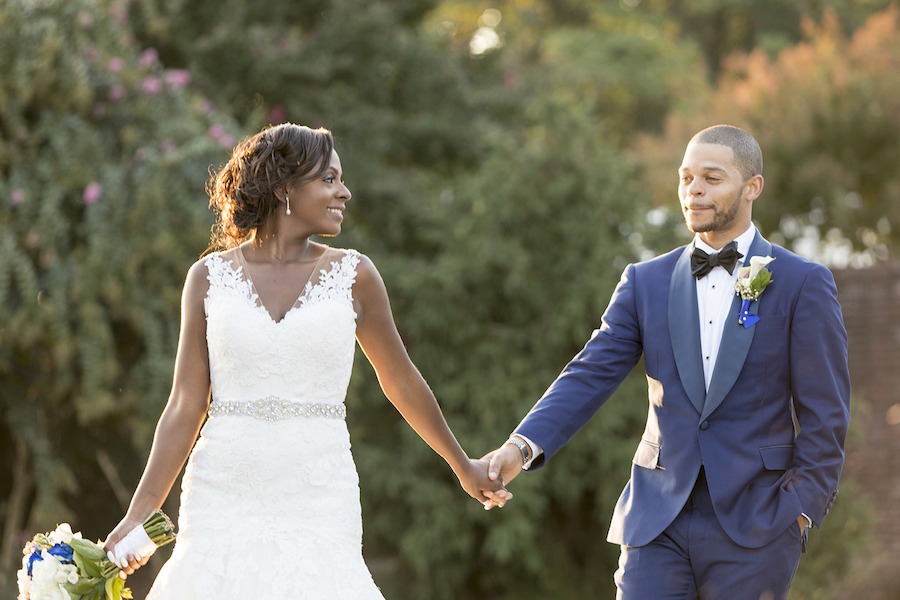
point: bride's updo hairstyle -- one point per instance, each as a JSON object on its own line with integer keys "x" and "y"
{"x": 251, "y": 187}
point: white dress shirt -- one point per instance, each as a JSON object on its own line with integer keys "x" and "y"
{"x": 715, "y": 293}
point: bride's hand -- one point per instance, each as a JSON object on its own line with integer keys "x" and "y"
{"x": 475, "y": 481}
{"x": 133, "y": 563}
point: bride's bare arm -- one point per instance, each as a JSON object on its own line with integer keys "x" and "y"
{"x": 403, "y": 384}
{"x": 183, "y": 415}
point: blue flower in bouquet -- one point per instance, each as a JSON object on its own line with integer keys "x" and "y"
{"x": 64, "y": 552}
{"x": 34, "y": 556}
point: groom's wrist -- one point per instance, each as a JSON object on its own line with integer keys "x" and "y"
{"x": 522, "y": 446}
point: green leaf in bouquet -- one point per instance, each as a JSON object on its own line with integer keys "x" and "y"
{"x": 96, "y": 592}
{"x": 110, "y": 588}
{"x": 115, "y": 589}
{"x": 79, "y": 562}
{"x": 79, "y": 589}
{"x": 88, "y": 549}
{"x": 90, "y": 567}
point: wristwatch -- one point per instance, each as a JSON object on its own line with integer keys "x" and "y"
{"x": 521, "y": 445}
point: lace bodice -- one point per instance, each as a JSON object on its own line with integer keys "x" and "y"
{"x": 308, "y": 355}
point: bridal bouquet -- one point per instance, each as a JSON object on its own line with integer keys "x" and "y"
{"x": 60, "y": 565}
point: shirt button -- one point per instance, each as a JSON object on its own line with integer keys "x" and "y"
{"x": 704, "y": 425}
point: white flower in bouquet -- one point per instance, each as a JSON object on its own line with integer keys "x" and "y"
{"x": 45, "y": 579}
{"x": 62, "y": 534}
{"x": 24, "y": 580}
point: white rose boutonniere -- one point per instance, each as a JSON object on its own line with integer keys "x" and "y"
{"x": 750, "y": 284}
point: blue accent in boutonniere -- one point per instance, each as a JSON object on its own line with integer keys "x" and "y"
{"x": 747, "y": 318}
{"x": 751, "y": 282}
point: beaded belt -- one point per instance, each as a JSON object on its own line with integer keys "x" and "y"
{"x": 274, "y": 408}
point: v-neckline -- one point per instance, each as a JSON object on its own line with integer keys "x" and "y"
{"x": 258, "y": 302}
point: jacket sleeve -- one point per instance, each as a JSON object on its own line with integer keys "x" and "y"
{"x": 820, "y": 387}
{"x": 591, "y": 376}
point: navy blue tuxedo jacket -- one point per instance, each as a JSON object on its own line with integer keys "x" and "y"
{"x": 763, "y": 468}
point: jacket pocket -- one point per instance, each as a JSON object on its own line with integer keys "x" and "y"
{"x": 777, "y": 458}
{"x": 647, "y": 455}
{"x": 772, "y": 321}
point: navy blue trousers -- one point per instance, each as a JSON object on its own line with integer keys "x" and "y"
{"x": 694, "y": 559}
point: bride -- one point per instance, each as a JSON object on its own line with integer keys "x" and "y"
{"x": 270, "y": 496}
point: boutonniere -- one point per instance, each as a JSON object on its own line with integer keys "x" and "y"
{"x": 750, "y": 284}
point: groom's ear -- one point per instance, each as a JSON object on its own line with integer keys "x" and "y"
{"x": 754, "y": 187}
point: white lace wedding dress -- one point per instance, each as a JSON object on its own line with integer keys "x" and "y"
{"x": 270, "y": 497}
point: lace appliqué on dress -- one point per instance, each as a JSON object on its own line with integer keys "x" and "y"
{"x": 225, "y": 279}
{"x": 334, "y": 284}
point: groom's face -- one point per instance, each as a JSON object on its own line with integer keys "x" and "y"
{"x": 712, "y": 191}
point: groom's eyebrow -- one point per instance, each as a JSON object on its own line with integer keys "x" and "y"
{"x": 705, "y": 169}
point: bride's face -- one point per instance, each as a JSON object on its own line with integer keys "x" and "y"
{"x": 319, "y": 204}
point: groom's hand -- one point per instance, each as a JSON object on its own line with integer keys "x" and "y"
{"x": 505, "y": 463}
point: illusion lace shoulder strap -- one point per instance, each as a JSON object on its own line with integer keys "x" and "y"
{"x": 335, "y": 283}
{"x": 225, "y": 279}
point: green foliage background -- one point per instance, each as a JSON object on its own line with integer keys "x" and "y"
{"x": 500, "y": 193}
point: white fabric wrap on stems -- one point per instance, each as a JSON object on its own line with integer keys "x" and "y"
{"x": 137, "y": 543}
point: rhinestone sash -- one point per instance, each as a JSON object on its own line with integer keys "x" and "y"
{"x": 274, "y": 408}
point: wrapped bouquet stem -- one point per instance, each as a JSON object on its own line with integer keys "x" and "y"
{"x": 61, "y": 565}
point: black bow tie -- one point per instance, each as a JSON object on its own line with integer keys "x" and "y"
{"x": 702, "y": 263}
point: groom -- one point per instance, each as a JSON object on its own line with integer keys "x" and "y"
{"x": 744, "y": 441}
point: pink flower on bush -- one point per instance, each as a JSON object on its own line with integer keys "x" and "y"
{"x": 119, "y": 15}
{"x": 216, "y": 131}
{"x": 178, "y": 78}
{"x": 92, "y": 193}
{"x": 148, "y": 58}
{"x": 227, "y": 141}
{"x": 16, "y": 197}
{"x": 166, "y": 146}
{"x": 152, "y": 85}
{"x": 277, "y": 114}
{"x": 117, "y": 92}
{"x": 115, "y": 64}
{"x": 99, "y": 110}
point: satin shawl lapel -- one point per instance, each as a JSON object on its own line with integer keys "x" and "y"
{"x": 684, "y": 329}
{"x": 735, "y": 342}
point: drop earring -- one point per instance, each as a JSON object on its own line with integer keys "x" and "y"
{"x": 287, "y": 205}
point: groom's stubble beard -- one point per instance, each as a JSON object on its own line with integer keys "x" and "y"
{"x": 721, "y": 220}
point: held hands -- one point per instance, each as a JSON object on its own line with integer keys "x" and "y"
{"x": 504, "y": 464}
{"x": 132, "y": 563}
{"x": 473, "y": 477}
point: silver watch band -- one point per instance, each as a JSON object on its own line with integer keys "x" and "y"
{"x": 522, "y": 446}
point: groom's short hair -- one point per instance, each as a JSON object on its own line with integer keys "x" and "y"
{"x": 747, "y": 155}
